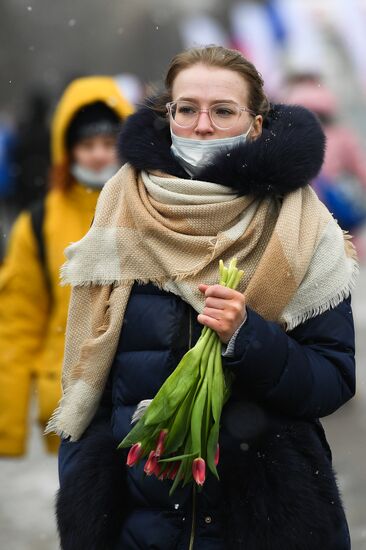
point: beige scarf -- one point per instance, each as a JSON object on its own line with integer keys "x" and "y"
{"x": 172, "y": 232}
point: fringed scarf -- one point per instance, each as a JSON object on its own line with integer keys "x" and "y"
{"x": 150, "y": 227}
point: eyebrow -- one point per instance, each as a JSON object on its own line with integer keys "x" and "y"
{"x": 195, "y": 100}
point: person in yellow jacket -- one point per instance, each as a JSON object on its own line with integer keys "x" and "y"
{"x": 33, "y": 306}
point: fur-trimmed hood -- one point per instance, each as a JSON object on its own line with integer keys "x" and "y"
{"x": 287, "y": 156}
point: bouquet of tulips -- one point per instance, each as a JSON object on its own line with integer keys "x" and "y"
{"x": 179, "y": 430}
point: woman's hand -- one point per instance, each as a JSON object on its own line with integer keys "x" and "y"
{"x": 224, "y": 310}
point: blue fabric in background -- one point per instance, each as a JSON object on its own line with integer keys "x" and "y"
{"x": 277, "y": 24}
{"x": 7, "y": 180}
{"x": 344, "y": 199}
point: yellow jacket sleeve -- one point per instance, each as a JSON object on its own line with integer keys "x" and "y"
{"x": 24, "y": 305}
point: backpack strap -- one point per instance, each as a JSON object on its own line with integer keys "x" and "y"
{"x": 37, "y": 212}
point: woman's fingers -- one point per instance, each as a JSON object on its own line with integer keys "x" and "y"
{"x": 219, "y": 291}
{"x": 218, "y": 296}
{"x": 209, "y": 322}
{"x": 212, "y": 312}
{"x": 224, "y": 310}
{"x": 216, "y": 303}
{"x": 203, "y": 288}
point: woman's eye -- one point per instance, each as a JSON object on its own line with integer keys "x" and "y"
{"x": 186, "y": 110}
{"x": 223, "y": 111}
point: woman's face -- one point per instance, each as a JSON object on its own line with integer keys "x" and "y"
{"x": 96, "y": 153}
{"x": 206, "y": 86}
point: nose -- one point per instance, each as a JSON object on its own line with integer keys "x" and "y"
{"x": 101, "y": 157}
{"x": 204, "y": 124}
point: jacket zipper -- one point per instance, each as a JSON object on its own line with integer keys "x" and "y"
{"x": 193, "y": 524}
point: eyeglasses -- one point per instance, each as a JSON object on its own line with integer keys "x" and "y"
{"x": 222, "y": 115}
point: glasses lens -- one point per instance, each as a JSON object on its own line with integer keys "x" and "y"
{"x": 184, "y": 113}
{"x": 224, "y": 115}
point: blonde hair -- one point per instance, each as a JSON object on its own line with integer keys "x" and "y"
{"x": 217, "y": 56}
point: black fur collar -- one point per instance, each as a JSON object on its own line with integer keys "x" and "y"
{"x": 287, "y": 156}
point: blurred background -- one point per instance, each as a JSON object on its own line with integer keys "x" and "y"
{"x": 310, "y": 52}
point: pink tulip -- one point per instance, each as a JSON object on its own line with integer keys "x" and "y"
{"x": 152, "y": 466}
{"x": 160, "y": 444}
{"x": 217, "y": 455}
{"x": 174, "y": 470}
{"x": 134, "y": 454}
{"x": 164, "y": 475}
{"x": 199, "y": 471}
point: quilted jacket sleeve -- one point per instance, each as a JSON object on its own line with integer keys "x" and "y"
{"x": 308, "y": 373}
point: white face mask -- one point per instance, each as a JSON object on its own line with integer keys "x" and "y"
{"x": 92, "y": 178}
{"x": 194, "y": 154}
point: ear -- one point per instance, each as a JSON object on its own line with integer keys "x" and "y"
{"x": 257, "y": 127}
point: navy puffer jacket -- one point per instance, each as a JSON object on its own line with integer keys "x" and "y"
{"x": 276, "y": 489}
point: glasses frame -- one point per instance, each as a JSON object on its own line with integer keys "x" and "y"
{"x": 241, "y": 109}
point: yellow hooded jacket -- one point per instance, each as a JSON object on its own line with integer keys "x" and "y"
{"x": 32, "y": 314}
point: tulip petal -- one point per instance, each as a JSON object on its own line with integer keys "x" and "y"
{"x": 199, "y": 470}
{"x": 217, "y": 455}
{"x": 151, "y": 466}
{"x": 160, "y": 444}
{"x": 134, "y": 454}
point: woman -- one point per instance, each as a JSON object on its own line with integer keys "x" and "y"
{"x": 33, "y": 305}
{"x": 341, "y": 184}
{"x": 344, "y": 152}
{"x": 211, "y": 173}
